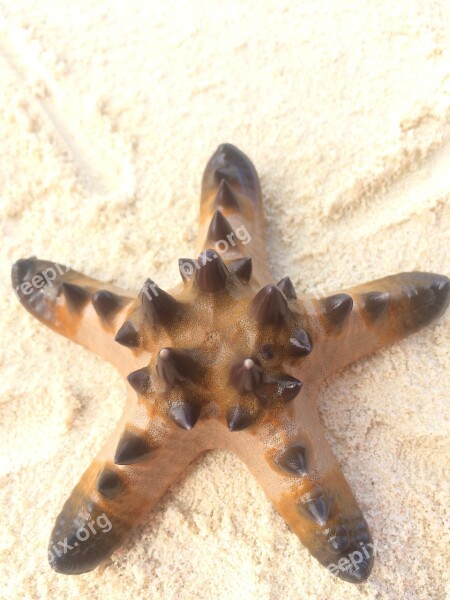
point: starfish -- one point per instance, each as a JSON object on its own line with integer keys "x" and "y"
{"x": 227, "y": 359}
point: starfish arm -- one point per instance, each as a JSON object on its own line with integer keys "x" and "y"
{"x": 130, "y": 474}
{"x": 231, "y": 210}
{"x": 300, "y": 475}
{"x": 82, "y": 309}
{"x": 365, "y": 318}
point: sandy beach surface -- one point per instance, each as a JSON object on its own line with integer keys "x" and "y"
{"x": 108, "y": 114}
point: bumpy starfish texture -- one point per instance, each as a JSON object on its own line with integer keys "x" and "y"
{"x": 227, "y": 359}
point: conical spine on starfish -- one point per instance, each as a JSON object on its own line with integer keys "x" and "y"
{"x": 225, "y": 197}
{"x": 159, "y": 307}
{"x": 107, "y": 304}
{"x": 213, "y": 275}
{"x": 270, "y": 306}
{"x": 287, "y": 287}
{"x": 242, "y": 268}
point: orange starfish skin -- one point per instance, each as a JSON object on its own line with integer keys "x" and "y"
{"x": 227, "y": 359}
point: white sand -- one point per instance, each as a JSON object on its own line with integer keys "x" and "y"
{"x": 109, "y": 112}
